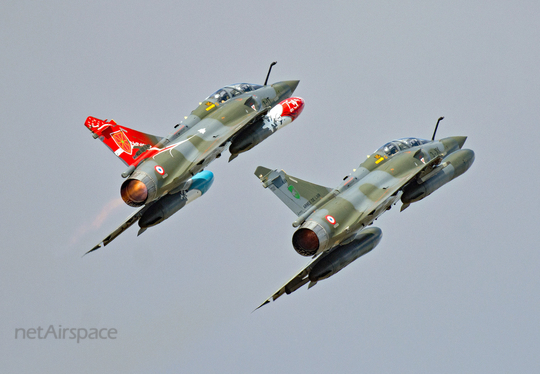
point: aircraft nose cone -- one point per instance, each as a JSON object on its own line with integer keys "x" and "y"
{"x": 292, "y": 85}
{"x": 460, "y": 140}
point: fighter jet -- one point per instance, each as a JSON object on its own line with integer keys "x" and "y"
{"x": 333, "y": 224}
{"x": 166, "y": 173}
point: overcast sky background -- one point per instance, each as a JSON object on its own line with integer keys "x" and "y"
{"x": 452, "y": 287}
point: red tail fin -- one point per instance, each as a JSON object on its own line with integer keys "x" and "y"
{"x": 126, "y": 143}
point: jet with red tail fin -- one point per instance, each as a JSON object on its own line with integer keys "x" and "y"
{"x": 165, "y": 173}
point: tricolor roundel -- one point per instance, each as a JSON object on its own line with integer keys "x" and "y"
{"x": 160, "y": 170}
{"x": 331, "y": 219}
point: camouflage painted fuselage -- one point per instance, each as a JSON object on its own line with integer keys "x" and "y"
{"x": 201, "y": 138}
{"x": 333, "y": 218}
{"x": 332, "y": 222}
{"x": 165, "y": 174}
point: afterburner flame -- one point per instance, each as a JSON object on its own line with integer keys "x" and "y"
{"x": 134, "y": 192}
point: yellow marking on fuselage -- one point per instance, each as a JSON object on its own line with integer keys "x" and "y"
{"x": 379, "y": 160}
{"x": 210, "y": 107}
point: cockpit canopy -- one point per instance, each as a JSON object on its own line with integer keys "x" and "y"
{"x": 228, "y": 92}
{"x": 395, "y": 146}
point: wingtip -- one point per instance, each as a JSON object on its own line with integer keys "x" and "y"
{"x": 263, "y": 304}
{"x": 93, "y": 249}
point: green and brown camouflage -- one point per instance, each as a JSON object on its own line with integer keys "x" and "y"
{"x": 205, "y": 134}
{"x": 166, "y": 169}
{"x": 407, "y": 169}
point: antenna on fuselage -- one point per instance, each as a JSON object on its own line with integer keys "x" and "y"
{"x": 436, "y": 126}
{"x": 269, "y": 70}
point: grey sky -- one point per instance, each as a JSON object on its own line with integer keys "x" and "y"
{"x": 453, "y": 285}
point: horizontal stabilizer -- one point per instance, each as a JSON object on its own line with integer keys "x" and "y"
{"x": 126, "y": 143}
{"x": 296, "y": 193}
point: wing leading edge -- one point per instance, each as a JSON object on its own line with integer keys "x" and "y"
{"x": 123, "y": 227}
{"x": 301, "y": 278}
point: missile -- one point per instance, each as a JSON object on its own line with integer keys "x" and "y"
{"x": 338, "y": 258}
{"x": 452, "y": 166}
{"x": 278, "y": 117}
{"x": 171, "y": 203}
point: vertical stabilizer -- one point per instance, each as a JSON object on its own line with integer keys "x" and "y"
{"x": 296, "y": 193}
{"x": 126, "y": 143}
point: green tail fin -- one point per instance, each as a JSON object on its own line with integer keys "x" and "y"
{"x": 296, "y": 193}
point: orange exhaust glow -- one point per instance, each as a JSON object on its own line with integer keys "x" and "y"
{"x": 134, "y": 192}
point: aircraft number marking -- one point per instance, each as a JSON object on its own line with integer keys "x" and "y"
{"x": 312, "y": 200}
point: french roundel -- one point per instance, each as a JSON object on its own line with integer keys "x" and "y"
{"x": 160, "y": 170}
{"x": 331, "y": 219}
